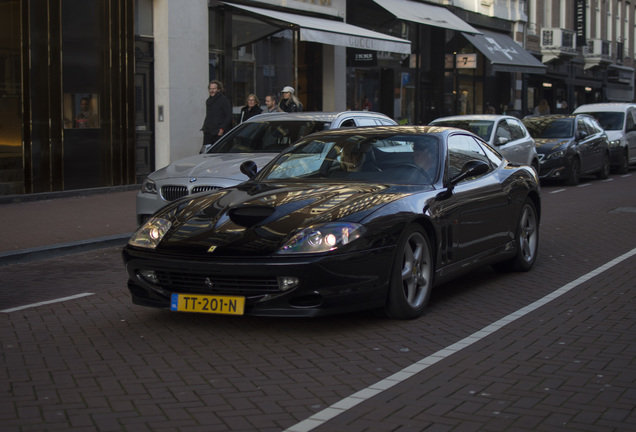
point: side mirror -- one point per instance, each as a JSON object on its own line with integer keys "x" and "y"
{"x": 502, "y": 140}
{"x": 249, "y": 168}
{"x": 470, "y": 169}
{"x": 206, "y": 148}
{"x": 581, "y": 135}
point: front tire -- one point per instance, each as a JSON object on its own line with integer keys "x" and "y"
{"x": 411, "y": 275}
{"x": 604, "y": 173}
{"x": 623, "y": 164}
{"x": 526, "y": 239}
{"x": 575, "y": 173}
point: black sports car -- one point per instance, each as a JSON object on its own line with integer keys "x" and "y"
{"x": 343, "y": 220}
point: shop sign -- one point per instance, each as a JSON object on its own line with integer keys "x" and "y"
{"x": 462, "y": 61}
{"x": 580, "y": 23}
{"x": 361, "y": 58}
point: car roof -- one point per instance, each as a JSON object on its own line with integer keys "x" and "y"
{"x": 606, "y": 106}
{"x": 398, "y": 129}
{"x": 491, "y": 117}
{"x": 315, "y": 116}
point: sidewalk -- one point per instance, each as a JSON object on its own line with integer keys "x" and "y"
{"x": 34, "y": 230}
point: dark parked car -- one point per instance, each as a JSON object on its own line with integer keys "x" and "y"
{"x": 345, "y": 220}
{"x": 570, "y": 146}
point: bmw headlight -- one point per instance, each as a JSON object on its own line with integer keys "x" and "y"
{"x": 148, "y": 186}
{"x": 151, "y": 233}
{"x": 323, "y": 238}
{"x": 615, "y": 143}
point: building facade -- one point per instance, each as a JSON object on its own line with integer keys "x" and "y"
{"x": 66, "y": 103}
{"x": 588, "y": 47}
{"x": 99, "y": 93}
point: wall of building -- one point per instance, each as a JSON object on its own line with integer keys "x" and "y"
{"x": 181, "y": 77}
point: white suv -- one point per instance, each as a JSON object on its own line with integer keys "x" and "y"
{"x": 258, "y": 139}
{"x": 619, "y": 122}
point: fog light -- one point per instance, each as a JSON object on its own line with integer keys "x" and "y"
{"x": 149, "y": 276}
{"x": 286, "y": 283}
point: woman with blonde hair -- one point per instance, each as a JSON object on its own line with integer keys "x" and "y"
{"x": 252, "y": 107}
{"x": 289, "y": 102}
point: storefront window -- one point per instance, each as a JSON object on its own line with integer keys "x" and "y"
{"x": 11, "y": 151}
{"x": 82, "y": 73}
{"x": 263, "y": 60}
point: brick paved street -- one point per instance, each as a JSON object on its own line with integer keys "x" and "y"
{"x": 100, "y": 363}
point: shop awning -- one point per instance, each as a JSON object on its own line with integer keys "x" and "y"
{"x": 428, "y": 14}
{"x": 505, "y": 54}
{"x": 331, "y": 32}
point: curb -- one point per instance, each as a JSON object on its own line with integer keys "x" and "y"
{"x": 61, "y": 249}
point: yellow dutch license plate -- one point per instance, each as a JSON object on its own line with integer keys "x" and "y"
{"x": 228, "y": 305}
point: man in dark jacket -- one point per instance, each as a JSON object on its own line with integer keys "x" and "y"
{"x": 218, "y": 114}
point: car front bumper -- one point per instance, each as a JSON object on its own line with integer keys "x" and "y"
{"x": 327, "y": 284}
{"x": 554, "y": 169}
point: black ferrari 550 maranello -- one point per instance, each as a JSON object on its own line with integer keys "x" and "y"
{"x": 344, "y": 220}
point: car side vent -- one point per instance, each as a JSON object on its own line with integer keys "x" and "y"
{"x": 173, "y": 192}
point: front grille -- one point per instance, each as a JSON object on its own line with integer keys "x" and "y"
{"x": 216, "y": 284}
{"x": 198, "y": 189}
{"x": 172, "y": 192}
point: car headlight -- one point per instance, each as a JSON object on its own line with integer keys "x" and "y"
{"x": 556, "y": 154}
{"x": 148, "y": 186}
{"x": 323, "y": 238}
{"x": 150, "y": 233}
{"x": 615, "y": 143}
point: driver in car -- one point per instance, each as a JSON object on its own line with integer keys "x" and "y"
{"x": 425, "y": 157}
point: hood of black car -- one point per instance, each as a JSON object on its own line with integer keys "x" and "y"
{"x": 549, "y": 145}
{"x": 256, "y": 219}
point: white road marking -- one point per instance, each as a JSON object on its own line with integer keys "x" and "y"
{"x": 340, "y": 407}
{"x": 73, "y": 297}
{"x": 558, "y": 191}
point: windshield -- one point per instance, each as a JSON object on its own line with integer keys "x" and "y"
{"x": 411, "y": 159}
{"x": 609, "y": 120}
{"x": 265, "y": 137}
{"x": 481, "y": 128}
{"x": 541, "y": 127}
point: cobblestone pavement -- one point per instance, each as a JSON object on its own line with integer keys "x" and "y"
{"x": 99, "y": 363}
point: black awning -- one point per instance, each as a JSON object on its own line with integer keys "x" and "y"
{"x": 505, "y": 54}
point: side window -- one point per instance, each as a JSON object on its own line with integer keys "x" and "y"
{"x": 502, "y": 132}
{"x": 462, "y": 149}
{"x": 348, "y": 123}
{"x": 593, "y": 126}
{"x": 364, "y": 121}
{"x": 516, "y": 129}
{"x": 581, "y": 126}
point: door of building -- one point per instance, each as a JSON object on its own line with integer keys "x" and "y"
{"x": 144, "y": 110}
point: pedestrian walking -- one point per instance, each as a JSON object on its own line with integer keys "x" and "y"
{"x": 270, "y": 103}
{"x": 289, "y": 102}
{"x": 252, "y": 107}
{"x": 218, "y": 113}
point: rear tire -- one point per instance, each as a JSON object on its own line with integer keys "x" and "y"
{"x": 526, "y": 239}
{"x": 411, "y": 275}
